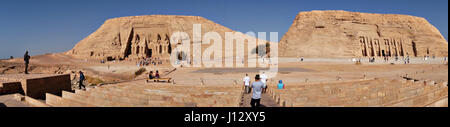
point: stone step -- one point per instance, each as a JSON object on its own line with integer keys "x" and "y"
{"x": 328, "y": 90}
{"x": 173, "y": 93}
{"x": 117, "y": 101}
{"x": 182, "y": 90}
{"x": 340, "y": 86}
{"x": 177, "y": 86}
{"x": 168, "y": 97}
{"x": 178, "y": 89}
{"x": 57, "y": 101}
{"x": 35, "y": 103}
{"x": 419, "y": 100}
{"x": 299, "y": 99}
{"x": 84, "y": 99}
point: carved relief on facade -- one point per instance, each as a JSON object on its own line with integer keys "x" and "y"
{"x": 389, "y": 47}
{"x": 147, "y": 45}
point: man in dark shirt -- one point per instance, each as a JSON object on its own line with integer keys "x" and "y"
{"x": 80, "y": 82}
{"x": 157, "y": 74}
{"x": 26, "y": 58}
{"x": 150, "y": 75}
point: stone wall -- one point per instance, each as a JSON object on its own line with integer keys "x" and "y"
{"x": 10, "y": 88}
{"x": 37, "y": 87}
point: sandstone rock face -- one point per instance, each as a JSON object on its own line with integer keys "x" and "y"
{"x": 143, "y": 36}
{"x": 354, "y": 34}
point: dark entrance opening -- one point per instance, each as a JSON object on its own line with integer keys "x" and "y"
{"x": 169, "y": 49}
{"x": 414, "y": 49}
{"x": 149, "y": 53}
{"x": 181, "y": 56}
{"x": 137, "y": 50}
{"x": 169, "y": 46}
{"x": 110, "y": 58}
{"x": 382, "y": 53}
{"x": 128, "y": 44}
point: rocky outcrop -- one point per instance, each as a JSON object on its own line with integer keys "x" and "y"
{"x": 142, "y": 36}
{"x": 354, "y": 34}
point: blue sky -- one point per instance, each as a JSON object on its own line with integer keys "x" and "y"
{"x": 47, "y": 26}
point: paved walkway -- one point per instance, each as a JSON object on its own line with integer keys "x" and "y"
{"x": 266, "y": 101}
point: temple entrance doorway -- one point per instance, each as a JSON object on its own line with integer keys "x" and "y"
{"x": 149, "y": 52}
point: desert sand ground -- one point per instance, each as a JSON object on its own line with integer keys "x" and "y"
{"x": 290, "y": 70}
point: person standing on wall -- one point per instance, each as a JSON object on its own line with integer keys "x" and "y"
{"x": 26, "y": 58}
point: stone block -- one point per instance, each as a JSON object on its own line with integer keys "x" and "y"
{"x": 35, "y": 102}
{"x": 37, "y": 87}
{"x": 11, "y": 88}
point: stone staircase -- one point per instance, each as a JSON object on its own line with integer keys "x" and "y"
{"x": 362, "y": 93}
{"x": 141, "y": 94}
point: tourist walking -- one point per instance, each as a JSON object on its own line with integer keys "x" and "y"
{"x": 407, "y": 59}
{"x": 80, "y": 82}
{"x": 246, "y": 83}
{"x": 264, "y": 80}
{"x": 257, "y": 87}
{"x": 26, "y": 59}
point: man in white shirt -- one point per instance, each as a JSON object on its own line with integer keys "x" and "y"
{"x": 247, "y": 83}
{"x": 264, "y": 80}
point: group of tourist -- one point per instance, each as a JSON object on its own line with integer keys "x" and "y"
{"x": 426, "y": 57}
{"x": 406, "y": 60}
{"x": 149, "y": 61}
{"x": 258, "y": 87}
{"x": 154, "y": 76}
{"x": 357, "y": 61}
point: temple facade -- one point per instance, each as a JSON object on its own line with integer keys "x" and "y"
{"x": 387, "y": 47}
{"x": 148, "y": 45}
